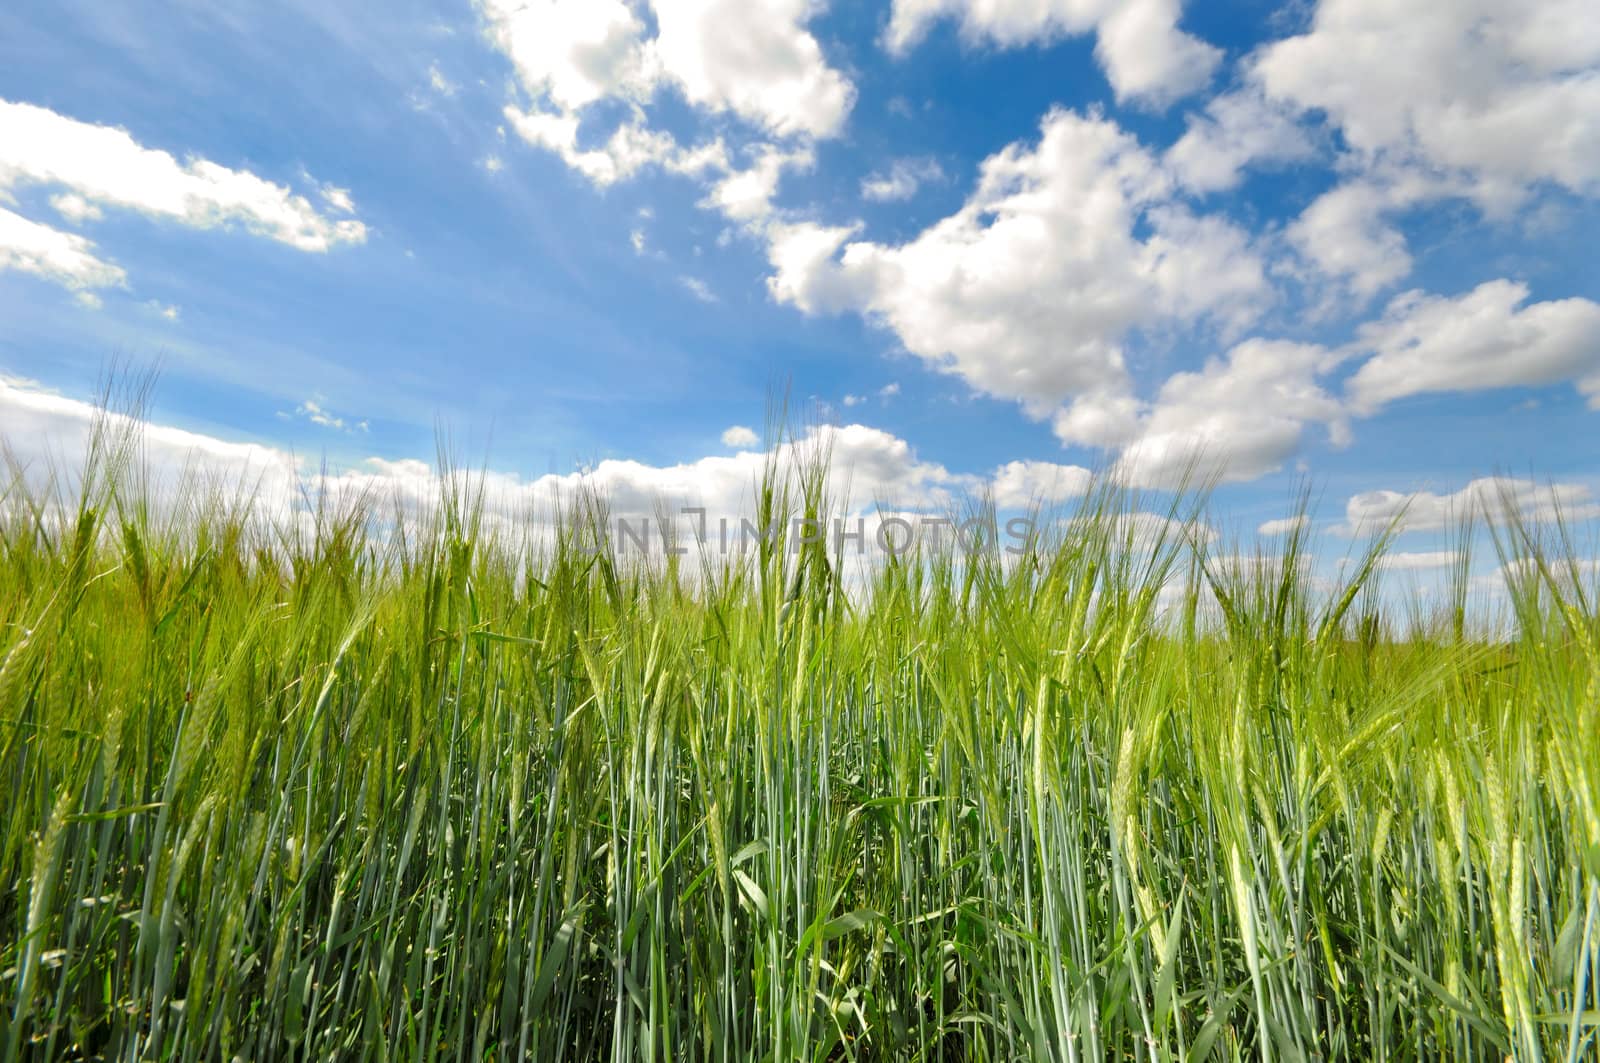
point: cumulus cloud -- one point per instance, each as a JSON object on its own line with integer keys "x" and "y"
{"x": 1485, "y": 99}
{"x": 1344, "y": 236}
{"x": 1145, "y": 55}
{"x": 1489, "y": 498}
{"x": 1027, "y": 291}
{"x": 804, "y": 272}
{"x": 1244, "y": 415}
{"x": 740, "y": 436}
{"x": 101, "y": 167}
{"x": 745, "y": 195}
{"x": 1237, "y": 418}
{"x": 873, "y": 475}
{"x": 1487, "y": 338}
{"x": 573, "y": 52}
{"x": 1234, "y": 130}
{"x": 49, "y": 433}
{"x": 1503, "y": 94}
{"x": 753, "y": 59}
{"x": 1569, "y": 574}
{"x": 1022, "y": 484}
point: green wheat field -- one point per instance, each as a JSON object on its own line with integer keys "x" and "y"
{"x": 367, "y": 785}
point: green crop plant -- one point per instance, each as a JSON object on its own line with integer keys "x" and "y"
{"x": 375, "y": 783}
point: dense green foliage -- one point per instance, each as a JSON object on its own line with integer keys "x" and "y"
{"x": 339, "y": 791}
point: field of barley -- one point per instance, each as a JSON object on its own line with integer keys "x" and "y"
{"x": 363, "y": 787}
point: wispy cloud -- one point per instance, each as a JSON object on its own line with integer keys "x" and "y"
{"x": 439, "y": 83}
{"x": 104, "y": 166}
{"x": 1282, "y": 526}
{"x": 699, "y": 289}
{"x": 314, "y": 411}
{"x": 338, "y": 198}
{"x": 901, "y": 180}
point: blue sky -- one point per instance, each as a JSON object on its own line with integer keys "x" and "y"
{"x": 1346, "y": 241}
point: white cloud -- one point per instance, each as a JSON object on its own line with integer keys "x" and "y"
{"x": 1418, "y": 560}
{"x": 1343, "y": 236}
{"x": 1105, "y": 418}
{"x": 1484, "y": 339}
{"x": 103, "y": 167}
{"x": 75, "y": 208}
{"x": 699, "y": 289}
{"x": 755, "y": 58}
{"x": 338, "y": 198}
{"x": 439, "y": 83}
{"x": 743, "y": 195}
{"x": 1145, "y": 56}
{"x": 804, "y": 272}
{"x": 746, "y": 195}
{"x": 1489, "y": 498}
{"x": 740, "y": 436}
{"x": 1568, "y": 573}
{"x": 871, "y": 474}
{"x": 1503, "y": 93}
{"x": 901, "y": 180}
{"x": 1027, "y": 291}
{"x": 885, "y": 393}
{"x": 630, "y": 148}
{"x": 751, "y": 58}
{"x": 65, "y": 258}
{"x": 47, "y": 432}
{"x": 314, "y": 411}
{"x": 1022, "y": 484}
{"x": 1484, "y": 99}
{"x": 1234, "y": 130}
{"x": 1239, "y": 417}
{"x": 169, "y": 312}
{"x": 574, "y": 52}
{"x": 1282, "y": 526}
{"x": 1203, "y": 266}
